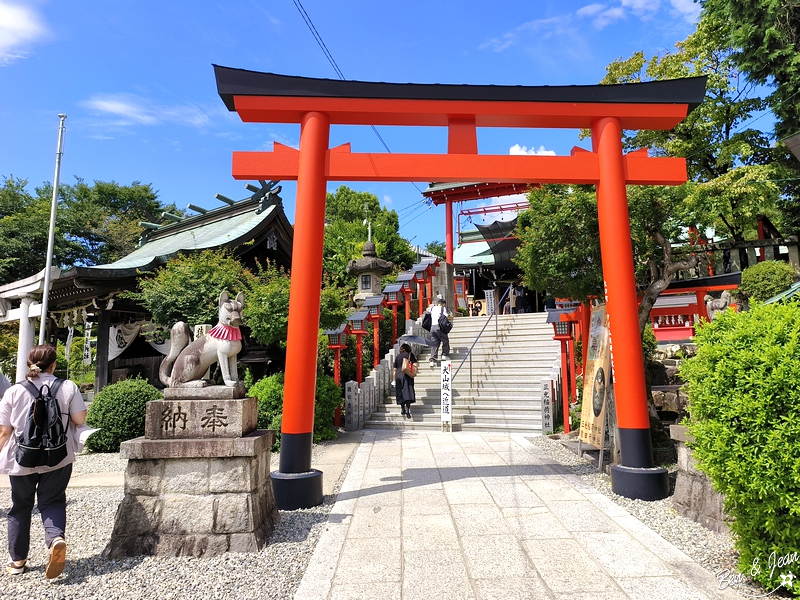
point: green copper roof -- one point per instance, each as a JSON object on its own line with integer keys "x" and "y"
{"x": 222, "y": 228}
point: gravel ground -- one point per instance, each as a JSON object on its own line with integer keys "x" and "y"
{"x": 714, "y": 551}
{"x": 275, "y": 572}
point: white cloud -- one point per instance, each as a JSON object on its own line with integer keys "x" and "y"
{"x": 590, "y": 10}
{"x": 387, "y": 200}
{"x": 541, "y": 151}
{"x": 608, "y": 17}
{"x": 131, "y": 109}
{"x": 688, "y": 9}
{"x": 20, "y": 27}
{"x": 603, "y": 15}
{"x": 544, "y": 28}
{"x": 641, "y": 7}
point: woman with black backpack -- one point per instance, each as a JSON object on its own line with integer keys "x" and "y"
{"x": 46, "y": 482}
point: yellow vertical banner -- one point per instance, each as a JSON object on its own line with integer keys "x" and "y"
{"x": 595, "y": 379}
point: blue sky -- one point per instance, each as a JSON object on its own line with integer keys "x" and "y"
{"x": 135, "y": 80}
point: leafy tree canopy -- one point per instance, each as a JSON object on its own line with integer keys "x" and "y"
{"x": 345, "y": 233}
{"x": 95, "y": 224}
{"x": 729, "y": 182}
{"x": 436, "y": 247}
{"x": 187, "y": 289}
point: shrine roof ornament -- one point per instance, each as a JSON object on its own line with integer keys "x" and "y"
{"x": 649, "y": 105}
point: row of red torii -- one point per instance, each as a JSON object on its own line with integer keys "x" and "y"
{"x": 317, "y": 104}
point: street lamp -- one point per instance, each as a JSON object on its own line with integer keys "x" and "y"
{"x": 374, "y": 304}
{"x": 562, "y": 328}
{"x": 337, "y": 341}
{"x": 358, "y": 328}
{"x": 394, "y": 298}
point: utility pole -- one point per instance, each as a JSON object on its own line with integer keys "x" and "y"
{"x": 51, "y": 239}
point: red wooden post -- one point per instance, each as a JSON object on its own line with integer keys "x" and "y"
{"x": 296, "y": 485}
{"x": 337, "y": 359}
{"x": 565, "y": 384}
{"x": 359, "y": 356}
{"x": 636, "y": 476}
{"x": 448, "y": 235}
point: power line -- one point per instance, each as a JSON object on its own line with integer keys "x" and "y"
{"x": 321, "y": 43}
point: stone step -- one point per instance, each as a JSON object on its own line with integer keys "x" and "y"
{"x": 427, "y": 423}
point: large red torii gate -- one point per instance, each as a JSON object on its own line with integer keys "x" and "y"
{"x": 316, "y": 104}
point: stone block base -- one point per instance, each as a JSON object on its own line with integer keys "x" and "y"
{"x": 195, "y": 506}
{"x": 695, "y": 497}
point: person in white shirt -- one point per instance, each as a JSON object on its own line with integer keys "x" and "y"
{"x": 439, "y": 337}
{"x": 47, "y": 485}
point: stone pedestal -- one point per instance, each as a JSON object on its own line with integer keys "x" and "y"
{"x": 695, "y": 496}
{"x": 200, "y": 488}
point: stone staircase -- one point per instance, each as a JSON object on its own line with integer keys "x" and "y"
{"x": 503, "y": 391}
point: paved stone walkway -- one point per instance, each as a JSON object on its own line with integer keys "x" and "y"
{"x": 424, "y": 516}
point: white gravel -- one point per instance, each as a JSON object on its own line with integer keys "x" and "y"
{"x": 275, "y": 572}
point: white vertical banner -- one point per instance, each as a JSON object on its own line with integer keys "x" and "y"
{"x": 490, "y": 305}
{"x": 87, "y": 344}
{"x": 70, "y": 335}
{"x": 447, "y": 394}
{"x": 547, "y": 406}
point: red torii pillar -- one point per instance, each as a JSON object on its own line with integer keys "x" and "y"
{"x": 265, "y": 97}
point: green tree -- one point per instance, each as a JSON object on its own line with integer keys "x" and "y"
{"x": 728, "y": 185}
{"x": 346, "y": 211}
{"x": 559, "y": 251}
{"x": 187, "y": 288}
{"x": 764, "y": 35}
{"x": 436, "y": 248}
{"x": 267, "y": 309}
{"x": 94, "y": 224}
{"x": 104, "y": 217}
{"x": 24, "y": 231}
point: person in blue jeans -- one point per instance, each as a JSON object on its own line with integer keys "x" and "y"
{"x": 439, "y": 337}
{"x": 46, "y": 485}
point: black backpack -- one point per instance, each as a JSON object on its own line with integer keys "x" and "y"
{"x": 445, "y": 324}
{"x": 426, "y": 321}
{"x": 43, "y": 441}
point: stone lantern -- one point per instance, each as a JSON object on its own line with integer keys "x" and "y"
{"x": 368, "y": 271}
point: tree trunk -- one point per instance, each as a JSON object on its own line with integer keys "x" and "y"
{"x": 661, "y": 278}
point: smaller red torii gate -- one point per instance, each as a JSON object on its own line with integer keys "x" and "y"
{"x": 316, "y": 104}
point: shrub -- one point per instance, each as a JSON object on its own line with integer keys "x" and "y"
{"x": 744, "y": 405}
{"x": 765, "y": 280}
{"x": 649, "y": 342}
{"x": 269, "y": 392}
{"x": 119, "y": 411}
{"x": 327, "y": 398}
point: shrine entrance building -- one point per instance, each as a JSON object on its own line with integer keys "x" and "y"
{"x": 316, "y": 104}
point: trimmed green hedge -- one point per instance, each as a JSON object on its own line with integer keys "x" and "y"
{"x": 269, "y": 392}
{"x": 119, "y": 411}
{"x": 744, "y": 405}
{"x": 766, "y": 279}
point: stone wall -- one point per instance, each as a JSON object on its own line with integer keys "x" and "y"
{"x": 695, "y": 497}
{"x": 204, "y": 498}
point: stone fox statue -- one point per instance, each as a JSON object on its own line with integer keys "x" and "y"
{"x": 220, "y": 345}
